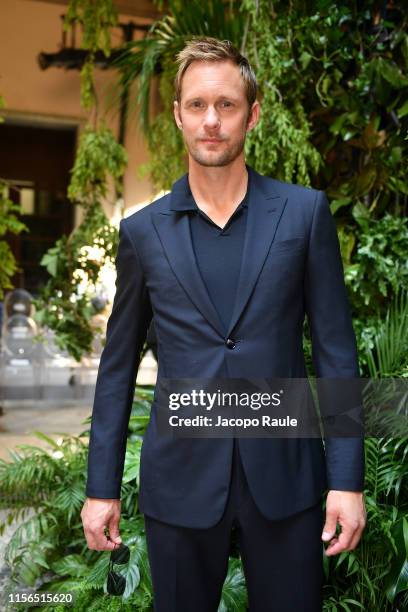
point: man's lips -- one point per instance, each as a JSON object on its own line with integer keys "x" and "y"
{"x": 212, "y": 140}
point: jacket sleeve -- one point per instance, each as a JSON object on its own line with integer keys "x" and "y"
{"x": 125, "y": 336}
{"x": 334, "y": 347}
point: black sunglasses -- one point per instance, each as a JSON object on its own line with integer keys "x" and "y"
{"x": 116, "y": 583}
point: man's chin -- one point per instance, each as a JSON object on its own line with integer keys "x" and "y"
{"x": 211, "y": 160}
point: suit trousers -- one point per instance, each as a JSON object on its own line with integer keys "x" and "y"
{"x": 282, "y": 559}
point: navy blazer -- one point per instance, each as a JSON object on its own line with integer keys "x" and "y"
{"x": 291, "y": 268}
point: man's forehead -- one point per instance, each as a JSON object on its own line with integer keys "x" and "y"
{"x": 214, "y": 69}
{"x": 202, "y": 78}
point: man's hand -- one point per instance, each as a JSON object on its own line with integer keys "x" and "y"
{"x": 98, "y": 515}
{"x": 348, "y": 509}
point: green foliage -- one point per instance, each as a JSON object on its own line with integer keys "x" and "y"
{"x": 234, "y": 595}
{"x": 387, "y": 354}
{"x": 379, "y": 265}
{"x": 348, "y": 76}
{"x": 364, "y": 575}
{"x": 9, "y": 222}
{"x": 66, "y": 303}
{"x": 48, "y": 548}
{"x": 280, "y": 145}
{"x": 96, "y": 19}
{"x": 99, "y": 155}
{"x": 165, "y": 142}
{"x": 69, "y": 300}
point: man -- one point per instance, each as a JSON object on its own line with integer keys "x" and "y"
{"x": 228, "y": 263}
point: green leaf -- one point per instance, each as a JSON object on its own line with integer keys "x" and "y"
{"x": 359, "y": 211}
{"x": 70, "y": 565}
{"x": 339, "y": 203}
{"x": 403, "y": 110}
{"x": 397, "y": 580}
{"x": 233, "y": 597}
{"x": 391, "y": 73}
{"x": 132, "y": 574}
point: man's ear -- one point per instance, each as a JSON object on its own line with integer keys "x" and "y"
{"x": 176, "y": 111}
{"x": 253, "y": 116}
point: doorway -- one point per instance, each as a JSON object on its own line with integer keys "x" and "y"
{"x": 36, "y": 161}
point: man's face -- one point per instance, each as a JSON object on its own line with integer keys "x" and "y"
{"x": 214, "y": 112}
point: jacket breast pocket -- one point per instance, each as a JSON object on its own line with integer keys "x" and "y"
{"x": 292, "y": 245}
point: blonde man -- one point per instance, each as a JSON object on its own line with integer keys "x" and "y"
{"x": 229, "y": 264}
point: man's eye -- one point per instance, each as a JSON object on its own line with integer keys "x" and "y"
{"x": 196, "y": 104}
{"x": 226, "y": 103}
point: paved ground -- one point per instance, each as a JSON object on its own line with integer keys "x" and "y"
{"x": 21, "y": 419}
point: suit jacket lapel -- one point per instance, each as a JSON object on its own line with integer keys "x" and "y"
{"x": 265, "y": 208}
{"x": 173, "y": 229}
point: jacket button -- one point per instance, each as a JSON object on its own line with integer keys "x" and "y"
{"x": 230, "y": 343}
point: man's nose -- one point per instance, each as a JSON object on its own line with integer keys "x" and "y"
{"x": 211, "y": 119}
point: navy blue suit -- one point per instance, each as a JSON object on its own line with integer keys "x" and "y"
{"x": 291, "y": 268}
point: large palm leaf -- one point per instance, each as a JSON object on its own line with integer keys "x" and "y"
{"x": 385, "y": 395}
{"x": 389, "y": 357}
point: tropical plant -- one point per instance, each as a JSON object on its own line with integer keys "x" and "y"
{"x": 374, "y": 575}
{"x": 387, "y": 356}
{"x": 346, "y": 68}
{"x": 96, "y": 19}
{"x": 379, "y": 265}
{"x": 75, "y": 291}
{"x": 9, "y": 223}
{"x": 48, "y": 550}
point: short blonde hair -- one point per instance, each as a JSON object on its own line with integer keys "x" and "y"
{"x": 205, "y": 48}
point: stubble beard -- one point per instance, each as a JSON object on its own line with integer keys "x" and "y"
{"x": 214, "y": 158}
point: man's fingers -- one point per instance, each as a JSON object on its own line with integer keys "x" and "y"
{"x": 329, "y": 528}
{"x": 331, "y": 547}
{"x": 356, "y": 537}
{"x": 99, "y": 541}
{"x": 346, "y": 508}
{"x": 108, "y": 545}
{"x": 345, "y": 537}
{"x": 100, "y": 520}
{"x": 344, "y": 540}
{"x": 113, "y": 527}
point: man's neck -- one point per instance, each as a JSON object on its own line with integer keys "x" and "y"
{"x": 218, "y": 189}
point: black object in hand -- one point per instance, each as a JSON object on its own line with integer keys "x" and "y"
{"x": 116, "y": 583}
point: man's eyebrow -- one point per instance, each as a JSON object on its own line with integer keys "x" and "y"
{"x": 223, "y": 97}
